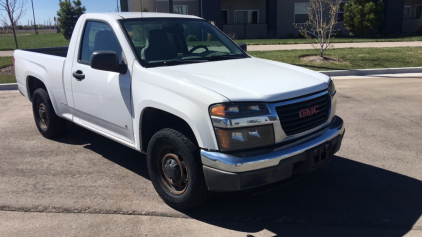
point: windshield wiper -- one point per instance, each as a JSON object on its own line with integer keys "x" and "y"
{"x": 220, "y": 57}
{"x": 182, "y": 61}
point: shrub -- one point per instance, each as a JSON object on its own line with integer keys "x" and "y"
{"x": 191, "y": 38}
{"x": 419, "y": 27}
{"x": 363, "y": 17}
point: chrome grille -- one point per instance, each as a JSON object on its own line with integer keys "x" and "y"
{"x": 290, "y": 118}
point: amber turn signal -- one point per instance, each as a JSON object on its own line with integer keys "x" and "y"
{"x": 239, "y": 110}
{"x": 219, "y": 110}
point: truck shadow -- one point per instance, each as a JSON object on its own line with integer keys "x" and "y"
{"x": 342, "y": 198}
{"x": 342, "y": 194}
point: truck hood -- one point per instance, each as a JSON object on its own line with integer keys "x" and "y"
{"x": 250, "y": 79}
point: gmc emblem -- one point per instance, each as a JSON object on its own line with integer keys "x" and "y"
{"x": 308, "y": 112}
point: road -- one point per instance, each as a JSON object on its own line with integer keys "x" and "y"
{"x": 84, "y": 184}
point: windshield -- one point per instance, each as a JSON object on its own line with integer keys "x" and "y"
{"x": 174, "y": 41}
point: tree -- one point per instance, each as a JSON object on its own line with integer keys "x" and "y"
{"x": 362, "y": 17}
{"x": 118, "y": 8}
{"x": 68, "y": 15}
{"x": 15, "y": 10}
{"x": 319, "y": 28}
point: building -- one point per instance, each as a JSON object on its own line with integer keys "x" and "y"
{"x": 412, "y": 13}
{"x": 254, "y": 19}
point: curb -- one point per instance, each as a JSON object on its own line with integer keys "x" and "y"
{"x": 8, "y": 87}
{"x": 365, "y": 72}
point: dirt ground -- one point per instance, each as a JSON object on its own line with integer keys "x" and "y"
{"x": 10, "y": 70}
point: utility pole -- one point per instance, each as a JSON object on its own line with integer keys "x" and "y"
{"x": 33, "y": 13}
{"x": 170, "y": 6}
{"x": 118, "y": 9}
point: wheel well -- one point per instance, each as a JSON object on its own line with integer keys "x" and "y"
{"x": 153, "y": 120}
{"x": 33, "y": 83}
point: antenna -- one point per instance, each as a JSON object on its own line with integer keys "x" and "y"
{"x": 142, "y": 8}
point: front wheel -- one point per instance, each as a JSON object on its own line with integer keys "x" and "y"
{"x": 175, "y": 169}
{"x": 48, "y": 123}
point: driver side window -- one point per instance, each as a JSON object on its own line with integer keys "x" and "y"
{"x": 197, "y": 36}
{"x": 98, "y": 36}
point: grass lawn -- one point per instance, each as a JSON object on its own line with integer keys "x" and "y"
{"x": 7, "y": 79}
{"x": 33, "y": 41}
{"x": 4, "y": 62}
{"x": 354, "y": 58}
{"x": 335, "y": 40}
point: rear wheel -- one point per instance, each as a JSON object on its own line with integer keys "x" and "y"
{"x": 48, "y": 123}
{"x": 175, "y": 169}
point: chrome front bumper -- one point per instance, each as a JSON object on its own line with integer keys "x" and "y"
{"x": 264, "y": 158}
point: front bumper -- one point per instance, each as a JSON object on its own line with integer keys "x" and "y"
{"x": 243, "y": 170}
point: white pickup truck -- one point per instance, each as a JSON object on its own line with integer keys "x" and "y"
{"x": 209, "y": 116}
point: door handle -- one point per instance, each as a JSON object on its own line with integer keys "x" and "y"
{"x": 79, "y": 75}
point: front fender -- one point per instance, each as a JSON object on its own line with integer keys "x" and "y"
{"x": 180, "y": 98}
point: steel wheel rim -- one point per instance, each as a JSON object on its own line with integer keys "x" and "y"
{"x": 43, "y": 119}
{"x": 176, "y": 186}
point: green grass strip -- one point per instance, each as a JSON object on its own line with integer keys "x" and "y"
{"x": 7, "y": 79}
{"x": 33, "y": 41}
{"x": 354, "y": 58}
{"x": 6, "y": 61}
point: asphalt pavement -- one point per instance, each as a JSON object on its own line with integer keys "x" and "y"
{"x": 85, "y": 184}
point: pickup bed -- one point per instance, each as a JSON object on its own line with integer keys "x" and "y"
{"x": 209, "y": 116}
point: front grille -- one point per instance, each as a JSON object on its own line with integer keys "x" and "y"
{"x": 290, "y": 118}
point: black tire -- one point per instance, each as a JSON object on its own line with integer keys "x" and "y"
{"x": 172, "y": 146}
{"x": 48, "y": 123}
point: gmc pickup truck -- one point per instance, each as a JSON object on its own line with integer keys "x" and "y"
{"x": 209, "y": 117}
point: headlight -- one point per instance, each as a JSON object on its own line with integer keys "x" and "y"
{"x": 332, "y": 88}
{"x": 245, "y": 137}
{"x": 238, "y": 110}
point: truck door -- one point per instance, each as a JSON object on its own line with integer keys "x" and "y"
{"x": 102, "y": 99}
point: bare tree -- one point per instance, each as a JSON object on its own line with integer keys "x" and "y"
{"x": 118, "y": 8}
{"x": 15, "y": 10}
{"x": 319, "y": 29}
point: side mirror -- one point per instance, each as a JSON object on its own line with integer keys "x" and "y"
{"x": 107, "y": 61}
{"x": 243, "y": 46}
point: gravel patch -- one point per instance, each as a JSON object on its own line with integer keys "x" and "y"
{"x": 318, "y": 59}
{"x": 10, "y": 70}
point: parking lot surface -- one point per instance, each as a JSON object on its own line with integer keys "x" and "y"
{"x": 89, "y": 185}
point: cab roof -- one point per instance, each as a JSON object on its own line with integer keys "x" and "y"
{"x": 131, "y": 15}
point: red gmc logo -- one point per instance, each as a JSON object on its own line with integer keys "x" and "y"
{"x": 308, "y": 112}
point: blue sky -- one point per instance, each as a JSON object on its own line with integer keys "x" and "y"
{"x": 47, "y": 9}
